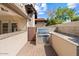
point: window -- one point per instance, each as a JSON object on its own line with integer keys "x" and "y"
{"x": 14, "y": 27}
{"x": 5, "y": 28}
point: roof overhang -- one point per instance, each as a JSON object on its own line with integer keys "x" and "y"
{"x": 16, "y": 9}
{"x": 40, "y": 20}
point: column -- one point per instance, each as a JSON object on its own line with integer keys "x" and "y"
{"x": 9, "y": 26}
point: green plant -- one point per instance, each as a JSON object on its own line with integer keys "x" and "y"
{"x": 75, "y": 18}
{"x": 60, "y": 15}
{"x": 54, "y": 21}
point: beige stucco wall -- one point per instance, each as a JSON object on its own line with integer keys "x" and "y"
{"x": 21, "y": 6}
{"x": 70, "y": 28}
{"x": 9, "y": 10}
{"x": 12, "y": 45}
{"x": 21, "y": 23}
{"x": 62, "y": 46}
{"x": 12, "y": 17}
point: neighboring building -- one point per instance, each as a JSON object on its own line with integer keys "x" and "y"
{"x": 40, "y": 22}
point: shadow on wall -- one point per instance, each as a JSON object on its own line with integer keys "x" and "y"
{"x": 50, "y": 51}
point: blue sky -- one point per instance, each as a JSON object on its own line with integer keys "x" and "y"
{"x": 43, "y": 7}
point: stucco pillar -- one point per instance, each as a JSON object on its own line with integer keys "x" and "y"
{"x": 9, "y": 27}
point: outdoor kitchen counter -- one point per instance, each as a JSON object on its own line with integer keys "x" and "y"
{"x": 64, "y": 44}
{"x": 69, "y": 38}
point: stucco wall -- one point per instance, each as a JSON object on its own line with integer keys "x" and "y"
{"x": 70, "y": 28}
{"x": 62, "y": 46}
{"x": 21, "y": 23}
{"x": 12, "y": 17}
{"x": 9, "y": 11}
{"x": 12, "y": 45}
{"x": 61, "y": 42}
